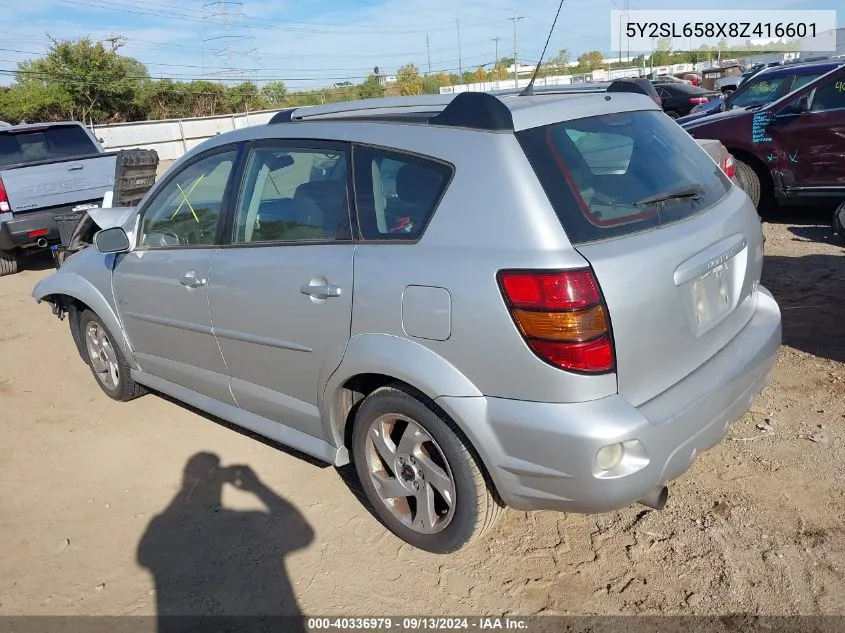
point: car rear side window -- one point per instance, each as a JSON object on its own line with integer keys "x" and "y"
{"x": 47, "y": 143}
{"x": 616, "y": 174}
{"x": 396, "y": 193}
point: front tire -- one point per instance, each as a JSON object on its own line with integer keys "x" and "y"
{"x": 748, "y": 180}
{"x": 9, "y": 263}
{"x": 106, "y": 360}
{"x": 423, "y": 482}
{"x": 838, "y": 222}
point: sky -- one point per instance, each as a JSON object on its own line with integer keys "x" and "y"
{"x": 316, "y": 43}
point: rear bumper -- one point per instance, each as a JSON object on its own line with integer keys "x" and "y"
{"x": 14, "y": 229}
{"x": 542, "y": 455}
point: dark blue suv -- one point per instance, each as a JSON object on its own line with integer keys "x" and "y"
{"x": 766, "y": 87}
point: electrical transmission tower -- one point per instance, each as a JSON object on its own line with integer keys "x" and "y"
{"x": 229, "y": 52}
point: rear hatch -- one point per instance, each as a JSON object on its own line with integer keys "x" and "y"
{"x": 52, "y": 166}
{"x": 676, "y": 249}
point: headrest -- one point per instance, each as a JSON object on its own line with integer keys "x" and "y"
{"x": 418, "y": 185}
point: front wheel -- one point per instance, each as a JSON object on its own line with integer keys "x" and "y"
{"x": 422, "y": 480}
{"x": 748, "y": 181}
{"x": 672, "y": 114}
{"x": 107, "y": 362}
{"x": 839, "y": 221}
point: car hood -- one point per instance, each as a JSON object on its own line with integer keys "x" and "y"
{"x": 713, "y": 118}
{"x": 110, "y": 218}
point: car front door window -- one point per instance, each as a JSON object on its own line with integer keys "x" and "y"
{"x": 829, "y": 96}
{"x": 186, "y": 210}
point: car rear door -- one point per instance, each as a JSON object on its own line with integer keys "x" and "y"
{"x": 161, "y": 286}
{"x": 678, "y": 276}
{"x": 281, "y": 291}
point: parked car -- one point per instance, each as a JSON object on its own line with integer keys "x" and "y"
{"x": 838, "y": 222}
{"x": 692, "y": 78}
{"x": 678, "y": 99}
{"x": 46, "y": 170}
{"x": 560, "y": 308}
{"x": 789, "y": 149}
{"x": 766, "y": 86}
{"x": 721, "y": 78}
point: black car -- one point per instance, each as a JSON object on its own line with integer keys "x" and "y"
{"x": 679, "y": 98}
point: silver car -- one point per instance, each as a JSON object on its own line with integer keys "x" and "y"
{"x": 542, "y": 302}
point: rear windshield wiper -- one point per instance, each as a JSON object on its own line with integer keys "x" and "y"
{"x": 688, "y": 191}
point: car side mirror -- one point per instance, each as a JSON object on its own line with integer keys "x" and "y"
{"x": 113, "y": 240}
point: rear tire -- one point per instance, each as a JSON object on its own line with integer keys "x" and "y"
{"x": 106, "y": 360}
{"x": 672, "y": 114}
{"x": 838, "y": 222}
{"x": 748, "y": 181}
{"x": 9, "y": 263}
{"x": 408, "y": 448}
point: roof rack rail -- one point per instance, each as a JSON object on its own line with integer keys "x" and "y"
{"x": 476, "y": 110}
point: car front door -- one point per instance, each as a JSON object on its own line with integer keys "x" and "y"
{"x": 813, "y": 154}
{"x": 281, "y": 291}
{"x": 161, "y": 286}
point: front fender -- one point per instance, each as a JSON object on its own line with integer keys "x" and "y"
{"x": 71, "y": 285}
{"x": 400, "y": 358}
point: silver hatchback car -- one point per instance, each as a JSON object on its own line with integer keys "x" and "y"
{"x": 542, "y": 302}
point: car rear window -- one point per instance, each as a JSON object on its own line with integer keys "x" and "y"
{"x": 47, "y": 143}
{"x": 604, "y": 174}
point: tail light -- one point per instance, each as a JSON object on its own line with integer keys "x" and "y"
{"x": 698, "y": 100}
{"x": 4, "y": 199}
{"x": 728, "y": 166}
{"x": 562, "y": 317}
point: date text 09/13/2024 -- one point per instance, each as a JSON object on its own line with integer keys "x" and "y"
{"x": 418, "y": 624}
{"x": 720, "y": 29}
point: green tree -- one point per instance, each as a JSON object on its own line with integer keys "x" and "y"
{"x": 591, "y": 60}
{"x": 100, "y": 83}
{"x": 558, "y": 64}
{"x": 35, "y": 100}
{"x": 274, "y": 92}
{"x": 371, "y": 88}
{"x": 409, "y": 81}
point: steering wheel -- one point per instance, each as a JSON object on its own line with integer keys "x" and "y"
{"x": 163, "y": 237}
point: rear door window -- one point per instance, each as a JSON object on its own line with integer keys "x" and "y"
{"x": 617, "y": 174}
{"x": 396, "y": 194}
{"x": 47, "y": 143}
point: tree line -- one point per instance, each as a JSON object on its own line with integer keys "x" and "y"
{"x": 83, "y": 80}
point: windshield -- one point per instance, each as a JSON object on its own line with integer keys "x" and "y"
{"x": 758, "y": 92}
{"x": 617, "y": 174}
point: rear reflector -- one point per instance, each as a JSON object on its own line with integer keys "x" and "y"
{"x": 590, "y": 356}
{"x": 562, "y": 317}
{"x": 4, "y": 199}
{"x": 36, "y": 233}
{"x": 728, "y": 166}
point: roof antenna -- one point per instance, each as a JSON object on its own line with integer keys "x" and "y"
{"x": 529, "y": 89}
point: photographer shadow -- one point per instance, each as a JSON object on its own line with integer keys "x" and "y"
{"x": 218, "y": 568}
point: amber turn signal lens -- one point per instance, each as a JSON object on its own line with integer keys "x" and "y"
{"x": 581, "y": 325}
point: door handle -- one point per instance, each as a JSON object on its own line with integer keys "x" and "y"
{"x": 191, "y": 280}
{"x": 74, "y": 167}
{"x": 321, "y": 292}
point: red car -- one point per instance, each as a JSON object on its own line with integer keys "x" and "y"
{"x": 793, "y": 148}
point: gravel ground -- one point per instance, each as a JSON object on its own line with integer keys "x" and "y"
{"x": 111, "y": 508}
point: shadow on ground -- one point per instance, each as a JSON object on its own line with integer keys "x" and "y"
{"x": 811, "y": 294}
{"x": 209, "y": 561}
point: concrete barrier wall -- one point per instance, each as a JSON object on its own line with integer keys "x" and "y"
{"x": 172, "y": 138}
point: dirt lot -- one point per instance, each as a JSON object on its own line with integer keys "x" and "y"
{"x": 756, "y": 526}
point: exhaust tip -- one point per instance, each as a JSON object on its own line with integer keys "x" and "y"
{"x": 656, "y": 499}
{"x": 41, "y": 242}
